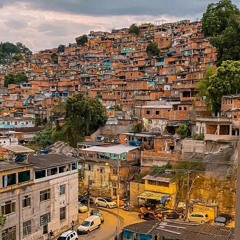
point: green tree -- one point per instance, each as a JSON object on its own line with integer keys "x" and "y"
{"x": 15, "y": 79}
{"x": 184, "y": 130}
{"x": 23, "y": 49}
{"x": 44, "y": 138}
{"x": 81, "y": 40}
{"x": 83, "y": 117}
{"x": 203, "y": 84}
{"x": 152, "y": 49}
{"x": 221, "y": 23}
{"x": 2, "y": 220}
{"x": 54, "y": 58}
{"x": 226, "y": 81}
{"x": 61, "y": 48}
{"x": 134, "y": 29}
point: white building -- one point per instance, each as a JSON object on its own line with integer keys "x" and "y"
{"x": 38, "y": 196}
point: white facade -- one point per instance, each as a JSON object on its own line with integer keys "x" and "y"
{"x": 39, "y": 205}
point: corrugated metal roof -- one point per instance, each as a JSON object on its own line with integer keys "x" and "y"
{"x": 116, "y": 149}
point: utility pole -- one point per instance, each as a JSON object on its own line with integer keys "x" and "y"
{"x": 118, "y": 190}
{"x": 237, "y": 216}
{"x": 187, "y": 198}
{"x": 88, "y": 195}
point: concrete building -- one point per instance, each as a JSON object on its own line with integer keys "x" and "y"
{"x": 38, "y": 196}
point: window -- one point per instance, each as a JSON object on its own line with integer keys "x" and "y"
{"x": 44, "y": 195}
{"x": 115, "y": 171}
{"x": 157, "y": 112}
{"x": 45, "y": 219}
{"x": 9, "y": 180}
{"x": 62, "y": 213}
{"x": 74, "y": 166}
{"x": 62, "y": 189}
{"x": 45, "y": 229}
{"x": 24, "y": 176}
{"x": 8, "y": 207}
{"x": 148, "y": 112}
{"x": 27, "y": 228}
{"x": 102, "y": 169}
{"x": 9, "y": 234}
{"x": 90, "y": 167}
{"x": 26, "y": 201}
{"x": 40, "y": 174}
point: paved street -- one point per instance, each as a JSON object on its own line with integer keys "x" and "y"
{"x": 107, "y": 231}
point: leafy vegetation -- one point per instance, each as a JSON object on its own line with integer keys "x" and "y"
{"x": 224, "y": 82}
{"x": 134, "y": 29}
{"x": 184, "y": 130}
{"x": 2, "y": 220}
{"x": 152, "y": 49}
{"x": 10, "y": 52}
{"x": 203, "y": 85}
{"x": 44, "y": 138}
{"x": 81, "y": 40}
{"x": 61, "y": 48}
{"x": 155, "y": 169}
{"x": 54, "y": 58}
{"x": 83, "y": 116}
{"x": 221, "y": 23}
{"x": 15, "y": 79}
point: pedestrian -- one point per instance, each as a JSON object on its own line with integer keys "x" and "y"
{"x": 72, "y": 224}
{"x": 51, "y": 234}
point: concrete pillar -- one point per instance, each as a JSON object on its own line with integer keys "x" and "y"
{"x": 218, "y": 129}
{"x": 230, "y": 130}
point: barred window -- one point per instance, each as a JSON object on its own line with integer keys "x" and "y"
{"x": 44, "y": 195}
{"x": 9, "y": 234}
{"x": 62, "y": 189}
{"x": 27, "y": 228}
{"x": 8, "y": 207}
{"x": 26, "y": 201}
{"x": 62, "y": 213}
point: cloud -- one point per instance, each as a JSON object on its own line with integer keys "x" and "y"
{"x": 48, "y": 23}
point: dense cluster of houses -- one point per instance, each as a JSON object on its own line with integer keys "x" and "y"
{"x": 135, "y": 88}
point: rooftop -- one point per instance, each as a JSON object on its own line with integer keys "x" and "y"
{"x": 182, "y": 230}
{"x": 50, "y": 160}
{"x": 5, "y": 166}
{"x": 115, "y": 149}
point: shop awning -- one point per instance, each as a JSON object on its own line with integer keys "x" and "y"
{"x": 153, "y": 195}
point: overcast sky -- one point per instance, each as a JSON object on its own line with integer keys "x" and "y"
{"x": 42, "y": 24}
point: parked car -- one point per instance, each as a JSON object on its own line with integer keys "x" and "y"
{"x": 148, "y": 215}
{"x": 69, "y": 235}
{"x": 89, "y": 224}
{"x": 82, "y": 208}
{"x": 96, "y": 212}
{"x": 198, "y": 217}
{"x": 173, "y": 215}
{"x": 105, "y": 202}
{"x": 84, "y": 199}
{"x": 223, "y": 219}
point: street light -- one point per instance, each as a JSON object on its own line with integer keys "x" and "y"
{"x": 118, "y": 190}
{"x": 188, "y": 192}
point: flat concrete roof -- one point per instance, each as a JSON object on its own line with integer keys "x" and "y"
{"x": 115, "y": 149}
{"x": 18, "y": 149}
{"x": 8, "y": 165}
{"x": 50, "y": 160}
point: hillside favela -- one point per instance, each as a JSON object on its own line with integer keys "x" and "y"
{"x": 120, "y": 120}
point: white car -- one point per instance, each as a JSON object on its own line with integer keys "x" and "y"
{"x": 82, "y": 208}
{"x": 69, "y": 235}
{"x": 89, "y": 224}
{"x": 105, "y": 202}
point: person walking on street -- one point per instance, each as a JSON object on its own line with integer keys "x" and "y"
{"x": 72, "y": 224}
{"x": 51, "y": 234}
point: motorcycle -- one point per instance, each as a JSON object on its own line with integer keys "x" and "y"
{"x": 127, "y": 207}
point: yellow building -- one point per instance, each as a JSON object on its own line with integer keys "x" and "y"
{"x": 159, "y": 189}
